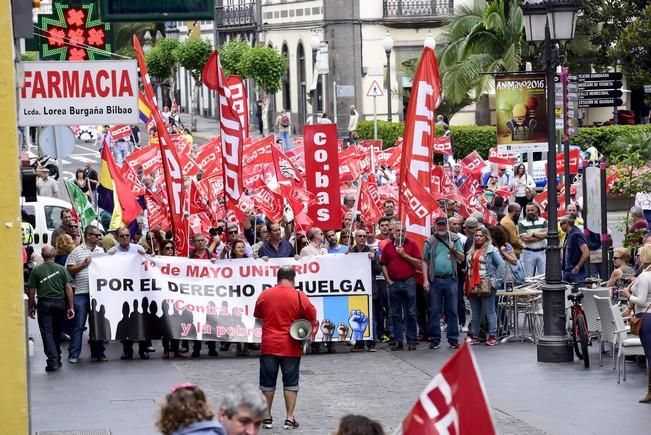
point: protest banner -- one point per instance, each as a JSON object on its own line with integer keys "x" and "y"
{"x": 454, "y": 402}
{"x": 139, "y": 297}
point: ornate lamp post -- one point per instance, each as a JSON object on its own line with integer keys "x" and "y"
{"x": 387, "y": 43}
{"x": 315, "y": 43}
{"x": 549, "y": 21}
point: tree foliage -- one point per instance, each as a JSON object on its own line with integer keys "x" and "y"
{"x": 192, "y": 55}
{"x": 231, "y": 55}
{"x": 620, "y": 32}
{"x": 483, "y": 37}
{"x": 266, "y": 66}
{"x": 160, "y": 60}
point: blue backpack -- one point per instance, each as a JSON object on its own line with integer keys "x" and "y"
{"x": 593, "y": 240}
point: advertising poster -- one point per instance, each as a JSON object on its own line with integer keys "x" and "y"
{"x": 521, "y": 107}
{"x": 138, "y": 297}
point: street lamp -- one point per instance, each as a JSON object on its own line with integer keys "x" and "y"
{"x": 387, "y": 43}
{"x": 315, "y": 43}
{"x": 548, "y": 21}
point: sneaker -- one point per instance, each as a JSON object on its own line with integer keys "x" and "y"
{"x": 397, "y": 347}
{"x": 454, "y": 345}
{"x": 73, "y": 360}
{"x": 101, "y": 358}
{"x": 385, "y": 339}
{"x": 492, "y": 341}
{"x": 268, "y": 423}
{"x": 472, "y": 340}
{"x": 434, "y": 345}
{"x": 357, "y": 349}
{"x": 291, "y": 424}
{"x": 51, "y": 368}
{"x": 412, "y": 346}
{"x": 372, "y": 348}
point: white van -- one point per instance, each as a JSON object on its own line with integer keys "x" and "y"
{"x": 45, "y": 216}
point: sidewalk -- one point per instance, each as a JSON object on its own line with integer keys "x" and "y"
{"x": 527, "y": 397}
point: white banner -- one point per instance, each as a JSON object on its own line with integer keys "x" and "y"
{"x": 140, "y": 297}
{"x": 74, "y": 93}
{"x": 593, "y": 198}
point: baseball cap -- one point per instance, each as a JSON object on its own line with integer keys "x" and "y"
{"x": 441, "y": 220}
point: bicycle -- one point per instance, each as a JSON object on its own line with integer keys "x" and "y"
{"x": 579, "y": 329}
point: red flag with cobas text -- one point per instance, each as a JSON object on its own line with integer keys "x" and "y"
{"x": 419, "y": 138}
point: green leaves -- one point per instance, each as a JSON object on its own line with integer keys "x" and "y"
{"x": 263, "y": 64}
{"x": 192, "y": 54}
{"x": 160, "y": 60}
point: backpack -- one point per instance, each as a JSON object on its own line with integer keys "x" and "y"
{"x": 284, "y": 121}
{"x": 593, "y": 240}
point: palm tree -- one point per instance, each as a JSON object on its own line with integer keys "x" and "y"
{"x": 482, "y": 38}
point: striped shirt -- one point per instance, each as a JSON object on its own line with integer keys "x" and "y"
{"x": 78, "y": 255}
{"x": 526, "y": 226}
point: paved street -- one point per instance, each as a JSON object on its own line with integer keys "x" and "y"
{"x": 526, "y": 397}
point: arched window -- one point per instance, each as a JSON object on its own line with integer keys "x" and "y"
{"x": 287, "y": 95}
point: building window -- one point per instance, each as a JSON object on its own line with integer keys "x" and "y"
{"x": 301, "y": 84}
{"x": 287, "y": 96}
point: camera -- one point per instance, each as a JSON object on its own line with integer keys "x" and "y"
{"x": 216, "y": 231}
{"x": 508, "y": 286}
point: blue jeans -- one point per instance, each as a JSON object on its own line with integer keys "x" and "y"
{"x": 568, "y": 276}
{"x": 403, "y": 309}
{"x": 82, "y": 308}
{"x": 284, "y": 136}
{"x": 444, "y": 290}
{"x": 484, "y": 306}
{"x": 533, "y": 262}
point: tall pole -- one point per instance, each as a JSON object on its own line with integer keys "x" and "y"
{"x": 14, "y": 394}
{"x": 388, "y": 53}
{"x": 315, "y": 98}
{"x": 555, "y": 344}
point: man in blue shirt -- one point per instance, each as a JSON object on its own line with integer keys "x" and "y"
{"x": 441, "y": 255}
{"x": 576, "y": 253}
{"x": 276, "y": 247}
{"x": 333, "y": 244}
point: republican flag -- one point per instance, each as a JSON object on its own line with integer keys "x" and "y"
{"x": 144, "y": 111}
{"x": 115, "y": 194}
{"x": 418, "y": 139}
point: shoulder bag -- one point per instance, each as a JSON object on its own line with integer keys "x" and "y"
{"x": 635, "y": 321}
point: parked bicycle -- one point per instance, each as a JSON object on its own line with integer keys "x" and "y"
{"x": 579, "y": 327}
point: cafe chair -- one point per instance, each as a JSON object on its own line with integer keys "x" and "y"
{"x": 607, "y": 326}
{"x": 590, "y": 309}
{"x": 627, "y": 344}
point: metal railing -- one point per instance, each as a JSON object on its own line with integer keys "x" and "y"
{"x": 242, "y": 15}
{"x": 417, "y": 8}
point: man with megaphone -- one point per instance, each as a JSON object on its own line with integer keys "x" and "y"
{"x": 287, "y": 315}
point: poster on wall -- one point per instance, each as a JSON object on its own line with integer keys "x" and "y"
{"x": 521, "y": 107}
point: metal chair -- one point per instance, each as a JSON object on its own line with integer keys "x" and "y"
{"x": 627, "y": 344}
{"x": 607, "y": 326}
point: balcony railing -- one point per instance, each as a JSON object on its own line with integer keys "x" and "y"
{"x": 242, "y": 15}
{"x": 418, "y": 8}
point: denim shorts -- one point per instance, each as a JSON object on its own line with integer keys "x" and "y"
{"x": 269, "y": 365}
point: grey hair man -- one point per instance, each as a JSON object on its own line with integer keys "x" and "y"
{"x": 639, "y": 226}
{"x": 242, "y": 410}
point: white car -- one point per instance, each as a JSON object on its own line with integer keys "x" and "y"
{"x": 45, "y": 216}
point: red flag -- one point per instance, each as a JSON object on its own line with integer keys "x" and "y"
{"x": 209, "y": 159}
{"x": 473, "y": 163}
{"x": 120, "y": 132}
{"x": 442, "y": 186}
{"x": 148, "y": 158}
{"x": 269, "y": 203}
{"x": 231, "y": 132}
{"x": 575, "y": 156}
{"x": 296, "y": 155}
{"x": 198, "y": 199}
{"x": 454, "y": 402}
{"x": 240, "y": 102}
{"x": 371, "y": 213}
{"x": 322, "y": 174}
{"x": 394, "y": 158}
{"x": 417, "y": 144}
{"x": 500, "y": 158}
{"x": 157, "y": 211}
{"x": 258, "y": 152}
{"x": 131, "y": 178}
{"x": 442, "y": 145}
{"x": 418, "y": 201}
{"x": 170, "y": 160}
{"x": 286, "y": 173}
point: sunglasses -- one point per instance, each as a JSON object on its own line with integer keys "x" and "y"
{"x": 233, "y": 232}
{"x": 168, "y": 247}
{"x": 95, "y": 234}
{"x": 616, "y": 258}
{"x": 124, "y": 236}
{"x": 361, "y": 236}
